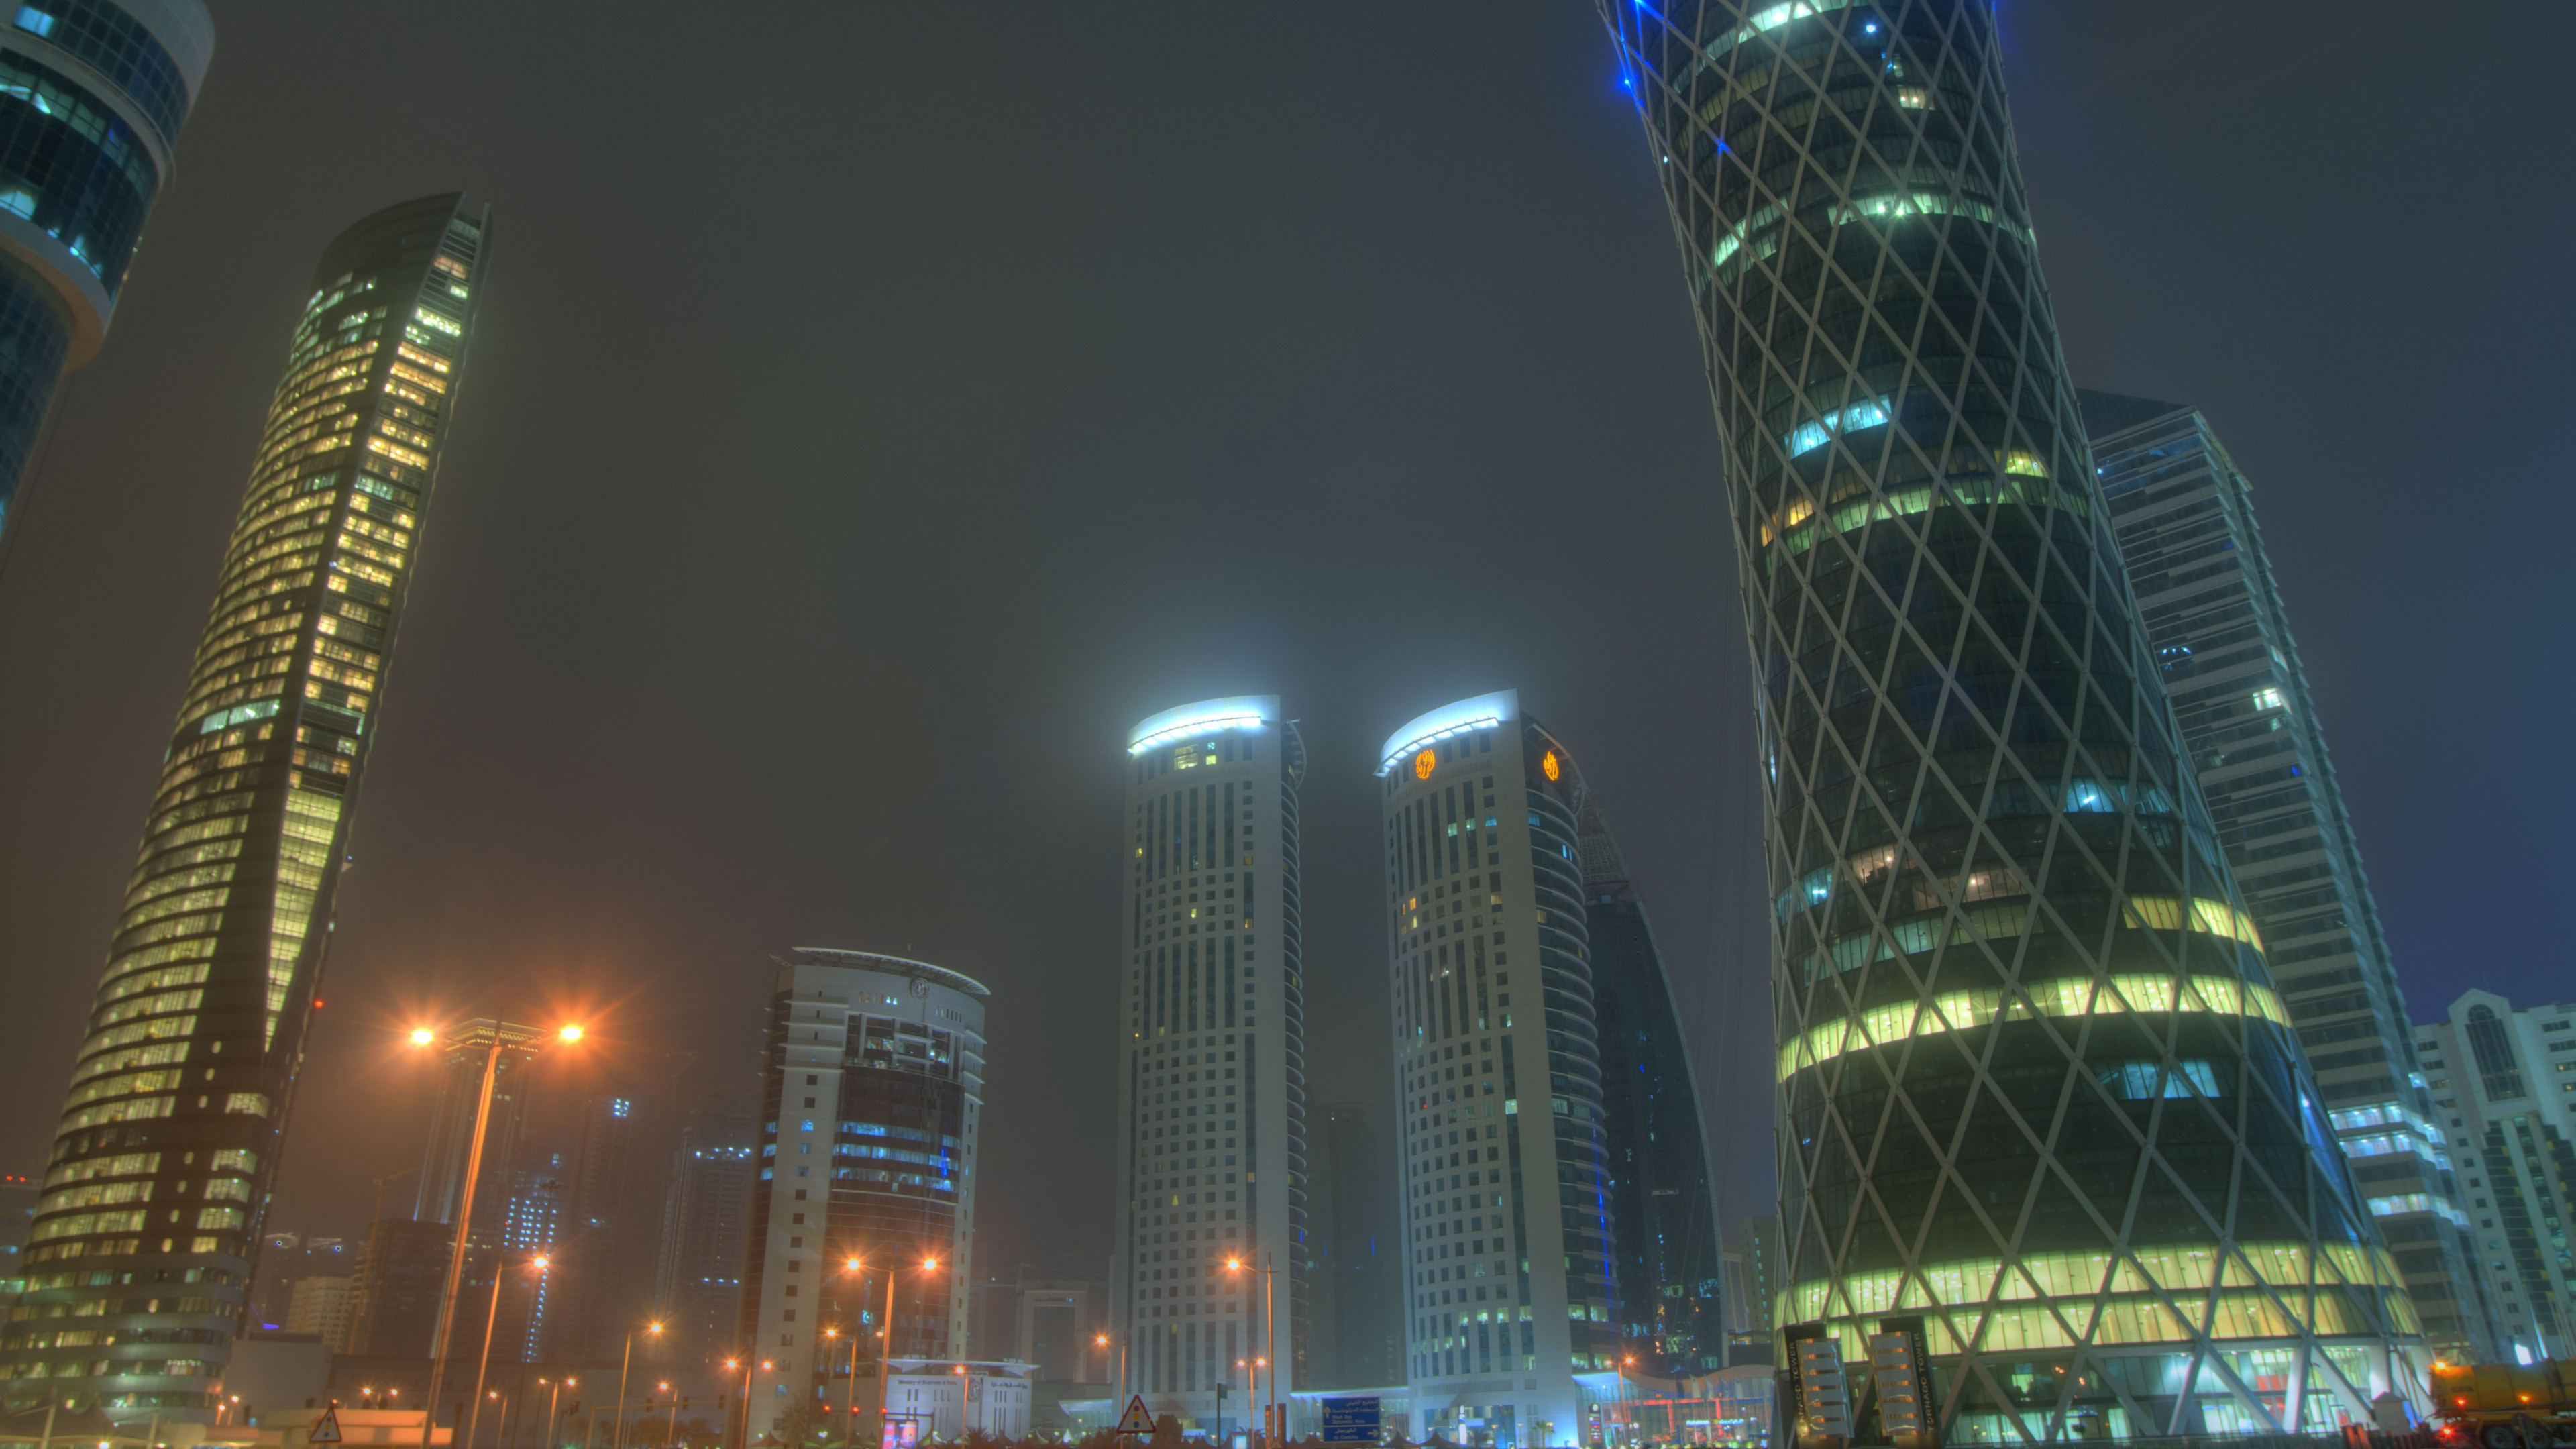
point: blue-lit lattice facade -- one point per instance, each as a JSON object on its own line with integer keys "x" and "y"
{"x": 168, "y": 1141}
{"x": 92, "y": 96}
{"x": 2036, "y": 1083}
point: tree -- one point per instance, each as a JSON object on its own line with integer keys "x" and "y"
{"x": 800, "y": 1425}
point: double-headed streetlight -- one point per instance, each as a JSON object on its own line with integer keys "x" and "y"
{"x": 1269, "y": 1323}
{"x": 491, "y": 1315}
{"x": 744, "y": 1364}
{"x": 885, "y": 1355}
{"x": 492, "y": 1038}
{"x": 554, "y": 1391}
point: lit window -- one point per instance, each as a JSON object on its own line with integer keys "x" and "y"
{"x": 35, "y": 21}
{"x": 2269, "y": 697}
{"x": 1808, "y": 437}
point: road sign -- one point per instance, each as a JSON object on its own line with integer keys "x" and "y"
{"x": 1136, "y": 1420}
{"x": 1350, "y": 1421}
{"x": 325, "y": 1430}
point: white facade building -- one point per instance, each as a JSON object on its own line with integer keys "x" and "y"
{"x": 1211, "y": 1061}
{"x": 946, "y": 1400}
{"x": 2504, "y": 1086}
{"x": 871, "y": 1107}
{"x": 1498, "y": 1074}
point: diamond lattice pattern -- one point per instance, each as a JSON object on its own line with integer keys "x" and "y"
{"x": 2035, "y": 1086}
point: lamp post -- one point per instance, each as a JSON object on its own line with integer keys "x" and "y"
{"x": 885, "y": 1356}
{"x": 849, "y": 1386}
{"x": 744, "y": 1364}
{"x": 1101, "y": 1341}
{"x": 1250, "y": 1379}
{"x": 483, "y": 1361}
{"x": 494, "y": 1037}
{"x": 1269, "y": 1324}
{"x": 671, "y": 1435}
{"x": 554, "y": 1392}
{"x": 624, "y": 1359}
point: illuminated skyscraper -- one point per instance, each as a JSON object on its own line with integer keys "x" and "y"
{"x": 1670, "y": 1279}
{"x": 168, "y": 1143}
{"x": 2221, "y": 635}
{"x": 1211, "y": 1060}
{"x": 92, "y": 96}
{"x": 1503, "y": 1150}
{"x": 2036, "y": 1084}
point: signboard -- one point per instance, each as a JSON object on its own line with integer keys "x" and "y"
{"x": 1824, "y": 1403}
{"x": 325, "y": 1430}
{"x": 902, "y": 1431}
{"x": 1136, "y": 1420}
{"x": 1350, "y": 1421}
{"x": 1901, "y": 1372}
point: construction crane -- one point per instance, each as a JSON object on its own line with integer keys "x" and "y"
{"x": 380, "y": 1189}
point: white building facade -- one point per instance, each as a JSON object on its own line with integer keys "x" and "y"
{"x": 871, "y": 1110}
{"x": 1211, "y": 1063}
{"x": 2504, "y": 1086}
{"x": 934, "y": 1399}
{"x": 1507, "y": 1247}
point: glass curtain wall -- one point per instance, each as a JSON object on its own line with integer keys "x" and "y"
{"x": 2036, "y": 1084}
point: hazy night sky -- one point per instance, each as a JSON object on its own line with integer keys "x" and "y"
{"x": 877, "y": 408}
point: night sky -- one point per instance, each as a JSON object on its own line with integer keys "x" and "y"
{"x": 877, "y": 408}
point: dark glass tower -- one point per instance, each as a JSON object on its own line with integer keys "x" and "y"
{"x": 1670, "y": 1279}
{"x": 2214, "y": 616}
{"x": 2036, "y": 1085}
{"x": 92, "y": 96}
{"x": 168, "y": 1144}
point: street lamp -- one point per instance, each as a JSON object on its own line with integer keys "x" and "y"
{"x": 483, "y": 1363}
{"x": 885, "y": 1356}
{"x": 493, "y": 1037}
{"x": 1269, "y": 1323}
{"x": 554, "y": 1392}
{"x": 625, "y": 1358}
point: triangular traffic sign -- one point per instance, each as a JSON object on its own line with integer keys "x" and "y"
{"x": 1136, "y": 1420}
{"x": 325, "y": 1430}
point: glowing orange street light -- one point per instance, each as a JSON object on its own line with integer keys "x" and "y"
{"x": 492, "y": 1037}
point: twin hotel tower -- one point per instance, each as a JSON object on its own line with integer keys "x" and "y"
{"x": 2061, "y": 889}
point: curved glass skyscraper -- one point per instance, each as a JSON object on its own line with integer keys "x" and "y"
{"x": 2036, "y": 1085}
{"x": 141, "y": 1249}
{"x": 92, "y": 96}
{"x": 1670, "y": 1281}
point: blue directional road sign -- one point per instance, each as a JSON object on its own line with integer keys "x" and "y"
{"x": 1350, "y": 1421}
